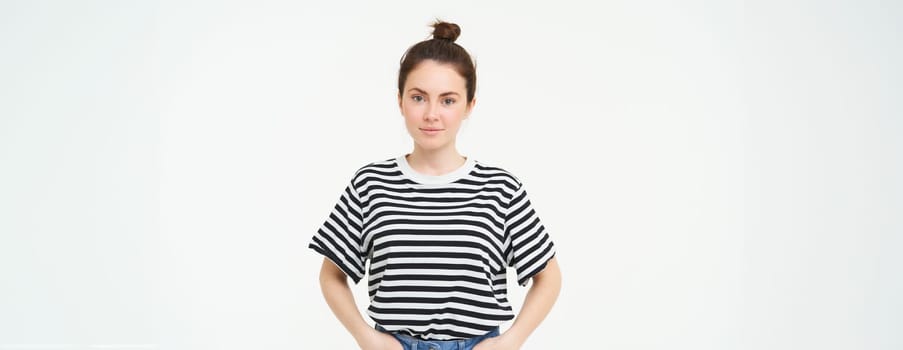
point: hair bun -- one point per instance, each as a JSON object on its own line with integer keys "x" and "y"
{"x": 446, "y": 30}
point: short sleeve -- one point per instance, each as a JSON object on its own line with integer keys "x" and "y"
{"x": 530, "y": 247}
{"x": 339, "y": 238}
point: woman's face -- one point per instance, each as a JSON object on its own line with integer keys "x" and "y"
{"x": 434, "y": 103}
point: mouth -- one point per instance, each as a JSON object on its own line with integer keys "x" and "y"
{"x": 431, "y": 131}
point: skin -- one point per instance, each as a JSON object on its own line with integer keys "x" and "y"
{"x": 334, "y": 285}
{"x": 537, "y": 304}
{"x": 434, "y": 97}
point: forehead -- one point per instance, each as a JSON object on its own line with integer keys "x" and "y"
{"x": 433, "y": 77}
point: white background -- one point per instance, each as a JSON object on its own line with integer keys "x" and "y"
{"x": 717, "y": 175}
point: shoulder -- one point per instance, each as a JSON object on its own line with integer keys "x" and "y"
{"x": 493, "y": 172}
{"x": 366, "y": 170}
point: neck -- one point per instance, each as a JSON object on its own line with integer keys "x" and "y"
{"x": 435, "y": 162}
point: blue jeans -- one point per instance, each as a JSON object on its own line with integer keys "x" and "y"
{"x": 411, "y": 343}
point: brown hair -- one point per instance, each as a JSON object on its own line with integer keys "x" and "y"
{"x": 441, "y": 48}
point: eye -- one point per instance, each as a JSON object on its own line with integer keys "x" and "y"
{"x": 449, "y": 101}
{"x": 417, "y": 98}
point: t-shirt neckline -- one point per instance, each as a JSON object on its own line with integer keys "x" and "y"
{"x": 446, "y": 178}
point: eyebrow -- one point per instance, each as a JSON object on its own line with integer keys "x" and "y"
{"x": 440, "y": 95}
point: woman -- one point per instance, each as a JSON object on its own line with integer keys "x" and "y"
{"x": 438, "y": 228}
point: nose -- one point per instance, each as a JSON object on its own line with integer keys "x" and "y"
{"x": 432, "y": 112}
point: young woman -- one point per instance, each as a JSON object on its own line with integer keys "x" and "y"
{"x": 439, "y": 229}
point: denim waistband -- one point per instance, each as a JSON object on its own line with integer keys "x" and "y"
{"x": 443, "y": 344}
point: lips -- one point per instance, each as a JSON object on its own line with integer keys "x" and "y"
{"x": 430, "y": 131}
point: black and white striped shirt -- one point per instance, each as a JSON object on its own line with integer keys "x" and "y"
{"x": 438, "y": 246}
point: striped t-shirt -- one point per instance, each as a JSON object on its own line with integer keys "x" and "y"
{"x": 438, "y": 246}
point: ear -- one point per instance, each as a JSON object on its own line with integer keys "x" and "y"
{"x": 399, "y": 103}
{"x": 470, "y": 107}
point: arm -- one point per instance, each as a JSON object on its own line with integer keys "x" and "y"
{"x": 334, "y": 286}
{"x": 537, "y": 304}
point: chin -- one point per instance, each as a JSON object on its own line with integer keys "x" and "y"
{"x": 429, "y": 145}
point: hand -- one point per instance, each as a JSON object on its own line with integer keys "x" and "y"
{"x": 497, "y": 343}
{"x": 376, "y": 340}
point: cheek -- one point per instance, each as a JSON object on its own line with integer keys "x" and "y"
{"x": 454, "y": 115}
{"x": 410, "y": 110}
{"x": 411, "y": 116}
